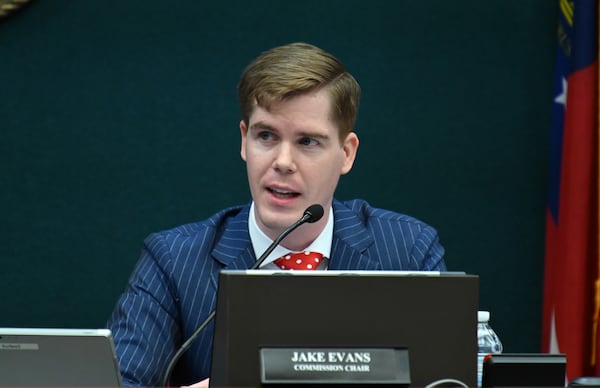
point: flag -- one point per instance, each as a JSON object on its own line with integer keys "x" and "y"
{"x": 571, "y": 280}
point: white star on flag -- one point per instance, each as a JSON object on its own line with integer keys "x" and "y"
{"x": 562, "y": 97}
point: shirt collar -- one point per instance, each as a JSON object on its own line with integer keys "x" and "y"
{"x": 260, "y": 241}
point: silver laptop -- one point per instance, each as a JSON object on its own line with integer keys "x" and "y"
{"x": 58, "y": 357}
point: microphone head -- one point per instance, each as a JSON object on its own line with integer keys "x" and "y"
{"x": 314, "y": 213}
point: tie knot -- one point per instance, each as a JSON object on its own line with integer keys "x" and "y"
{"x": 300, "y": 261}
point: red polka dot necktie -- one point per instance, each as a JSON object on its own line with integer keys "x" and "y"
{"x": 300, "y": 261}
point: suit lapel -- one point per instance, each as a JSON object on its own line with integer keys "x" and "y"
{"x": 233, "y": 249}
{"x": 350, "y": 242}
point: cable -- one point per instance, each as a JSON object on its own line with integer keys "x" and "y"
{"x": 446, "y": 382}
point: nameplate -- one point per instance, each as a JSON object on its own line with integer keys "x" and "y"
{"x": 334, "y": 365}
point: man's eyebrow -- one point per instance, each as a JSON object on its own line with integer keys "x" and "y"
{"x": 314, "y": 135}
{"x": 261, "y": 125}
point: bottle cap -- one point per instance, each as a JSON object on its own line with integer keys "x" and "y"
{"x": 483, "y": 316}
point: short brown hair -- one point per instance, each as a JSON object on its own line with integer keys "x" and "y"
{"x": 298, "y": 68}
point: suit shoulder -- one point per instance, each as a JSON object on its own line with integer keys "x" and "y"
{"x": 212, "y": 225}
{"x": 368, "y": 213}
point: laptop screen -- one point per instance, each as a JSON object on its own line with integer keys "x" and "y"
{"x": 57, "y": 357}
{"x": 431, "y": 315}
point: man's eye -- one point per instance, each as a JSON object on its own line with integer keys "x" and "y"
{"x": 265, "y": 135}
{"x": 307, "y": 141}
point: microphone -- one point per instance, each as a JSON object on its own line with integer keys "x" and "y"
{"x": 313, "y": 213}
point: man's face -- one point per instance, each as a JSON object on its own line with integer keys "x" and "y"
{"x": 294, "y": 158}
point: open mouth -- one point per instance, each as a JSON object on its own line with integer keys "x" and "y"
{"x": 283, "y": 193}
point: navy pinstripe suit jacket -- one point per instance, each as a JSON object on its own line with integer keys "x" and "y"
{"x": 173, "y": 287}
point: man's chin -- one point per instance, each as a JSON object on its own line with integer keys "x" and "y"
{"x": 280, "y": 224}
{"x": 275, "y": 223}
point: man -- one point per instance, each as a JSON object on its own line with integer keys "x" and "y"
{"x": 299, "y": 108}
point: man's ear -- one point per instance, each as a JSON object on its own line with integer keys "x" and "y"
{"x": 350, "y": 148}
{"x": 244, "y": 133}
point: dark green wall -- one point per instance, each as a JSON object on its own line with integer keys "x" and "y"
{"x": 119, "y": 118}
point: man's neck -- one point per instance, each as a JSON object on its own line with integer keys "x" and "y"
{"x": 304, "y": 236}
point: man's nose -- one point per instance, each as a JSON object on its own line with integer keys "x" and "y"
{"x": 284, "y": 159}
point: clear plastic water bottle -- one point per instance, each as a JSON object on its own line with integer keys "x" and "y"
{"x": 487, "y": 341}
